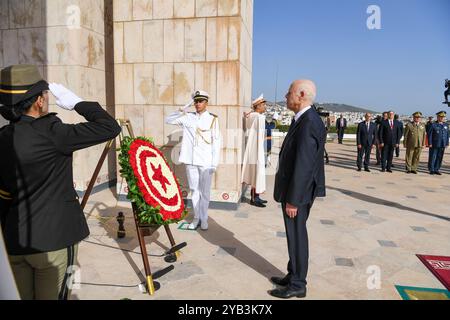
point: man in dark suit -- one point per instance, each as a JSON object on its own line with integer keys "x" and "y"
{"x": 299, "y": 180}
{"x": 389, "y": 136}
{"x": 397, "y": 149}
{"x": 365, "y": 139}
{"x": 377, "y": 138}
{"x": 341, "y": 125}
{"x": 43, "y": 221}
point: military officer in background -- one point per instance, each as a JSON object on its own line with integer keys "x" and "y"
{"x": 200, "y": 152}
{"x": 253, "y": 164}
{"x": 43, "y": 221}
{"x": 429, "y": 124}
{"x": 438, "y": 140}
{"x": 414, "y": 141}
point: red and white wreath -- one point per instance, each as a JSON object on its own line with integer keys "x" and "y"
{"x": 155, "y": 179}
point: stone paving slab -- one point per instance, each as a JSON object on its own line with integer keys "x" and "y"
{"x": 368, "y": 221}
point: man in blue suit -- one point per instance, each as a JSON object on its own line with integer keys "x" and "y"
{"x": 365, "y": 138}
{"x": 389, "y": 135}
{"x": 299, "y": 180}
{"x": 438, "y": 135}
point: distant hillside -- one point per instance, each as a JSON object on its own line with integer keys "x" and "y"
{"x": 333, "y": 107}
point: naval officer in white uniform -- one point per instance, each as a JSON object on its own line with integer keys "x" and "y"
{"x": 200, "y": 152}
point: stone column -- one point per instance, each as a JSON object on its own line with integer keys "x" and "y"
{"x": 166, "y": 49}
{"x": 66, "y": 39}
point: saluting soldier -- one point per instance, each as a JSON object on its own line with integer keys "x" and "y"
{"x": 43, "y": 221}
{"x": 200, "y": 152}
{"x": 414, "y": 141}
{"x": 438, "y": 141}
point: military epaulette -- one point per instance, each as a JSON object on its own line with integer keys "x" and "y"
{"x": 194, "y": 113}
{"x": 215, "y": 116}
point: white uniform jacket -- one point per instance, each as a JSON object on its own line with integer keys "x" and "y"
{"x": 201, "y": 143}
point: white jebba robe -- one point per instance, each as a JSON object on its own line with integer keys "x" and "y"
{"x": 254, "y": 166}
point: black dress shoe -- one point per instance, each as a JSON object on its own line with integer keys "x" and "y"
{"x": 257, "y": 204}
{"x": 438, "y": 173}
{"x": 287, "y": 293}
{"x": 415, "y": 172}
{"x": 359, "y": 170}
{"x": 261, "y": 200}
{"x": 280, "y": 281}
{"x": 432, "y": 173}
{"x": 408, "y": 171}
{"x": 389, "y": 170}
{"x": 367, "y": 170}
{"x": 383, "y": 170}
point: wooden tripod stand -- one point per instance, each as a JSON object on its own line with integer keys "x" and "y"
{"x": 142, "y": 230}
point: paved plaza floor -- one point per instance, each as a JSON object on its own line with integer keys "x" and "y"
{"x": 369, "y": 224}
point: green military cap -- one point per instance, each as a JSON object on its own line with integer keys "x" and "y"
{"x": 441, "y": 114}
{"x": 417, "y": 114}
{"x": 19, "y": 83}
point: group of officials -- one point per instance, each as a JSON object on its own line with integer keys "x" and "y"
{"x": 386, "y": 135}
{"x": 42, "y": 221}
{"x": 41, "y": 218}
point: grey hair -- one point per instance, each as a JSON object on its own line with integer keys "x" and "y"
{"x": 308, "y": 88}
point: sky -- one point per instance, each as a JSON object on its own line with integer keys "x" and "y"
{"x": 401, "y": 66}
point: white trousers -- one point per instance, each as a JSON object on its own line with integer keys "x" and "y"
{"x": 199, "y": 179}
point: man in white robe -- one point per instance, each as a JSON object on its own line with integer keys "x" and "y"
{"x": 254, "y": 168}
{"x": 200, "y": 152}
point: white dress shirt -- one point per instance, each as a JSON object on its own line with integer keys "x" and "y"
{"x": 300, "y": 113}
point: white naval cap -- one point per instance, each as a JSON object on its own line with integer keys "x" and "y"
{"x": 199, "y": 94}
{"x": 258, "y": 100}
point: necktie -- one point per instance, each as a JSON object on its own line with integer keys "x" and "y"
{"x": 368, "y": 124}
{"x": 392, "y": 124}
{"x": 292, "y": 125}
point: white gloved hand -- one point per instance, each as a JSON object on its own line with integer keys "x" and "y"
{"x": 65, "y": 98}
{"x": 187, "y": 106}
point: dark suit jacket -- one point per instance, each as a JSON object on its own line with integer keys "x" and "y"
{"x": 36, "y": 169}
{"x": 364, "y": 137}
{"x": 301, "y": 170}
{"x": 390, "y": 136}
{"x": 338, "y": 124}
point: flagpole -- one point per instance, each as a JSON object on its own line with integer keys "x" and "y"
{"x": 276, "y": 86}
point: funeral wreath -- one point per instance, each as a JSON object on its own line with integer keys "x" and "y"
{"x": 152, "y": 186}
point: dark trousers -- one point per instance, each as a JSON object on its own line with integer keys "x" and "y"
{"x": 297, "y": 240}
{"x": 436, "y": 157}
{"x": 364, "y": 152}
{"x": 397, "y": 152}
{"x": 388, "y": 155}
{"x": 341, "y": 135}
{"x": 378, "y": 153}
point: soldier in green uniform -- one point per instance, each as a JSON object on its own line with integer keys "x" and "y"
{"x": 414, "y": 141}
{"x": 41, "y": 218}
